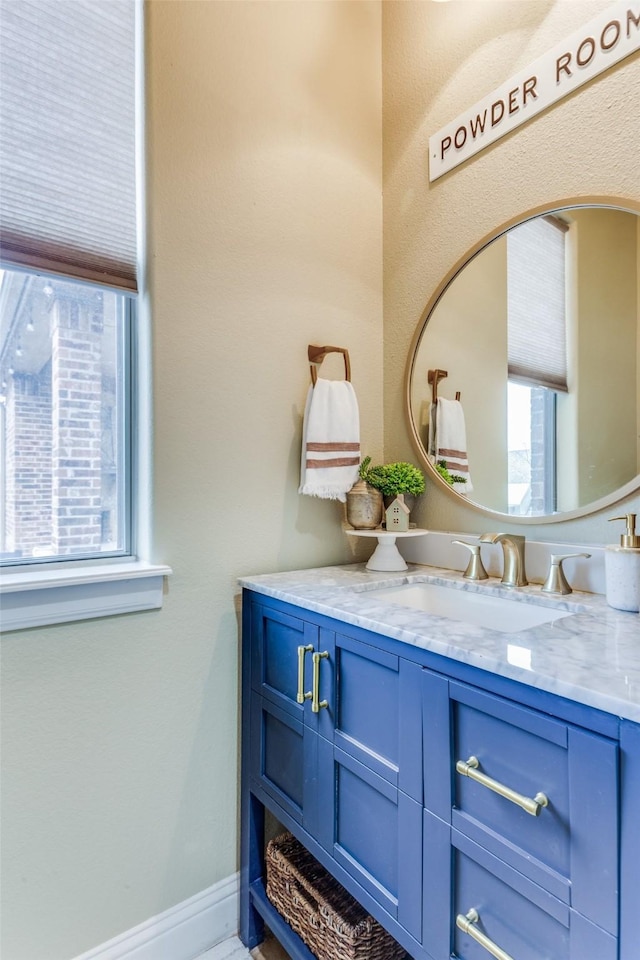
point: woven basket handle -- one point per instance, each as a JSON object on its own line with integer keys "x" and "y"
{"x": 301, "y": 896}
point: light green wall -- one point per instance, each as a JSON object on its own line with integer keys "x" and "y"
{"x": 264, "y": 187}
{"x": 438, "y": 60}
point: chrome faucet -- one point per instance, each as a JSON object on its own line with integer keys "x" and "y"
{"x": 513, "y": 572}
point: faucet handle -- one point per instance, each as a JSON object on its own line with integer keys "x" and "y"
{"x": 556, "y": 581}
{"x": 475, "y": 568}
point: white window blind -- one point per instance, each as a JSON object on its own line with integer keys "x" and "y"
{"x": 537, "y": 347}
{"x": 67, "y": 138}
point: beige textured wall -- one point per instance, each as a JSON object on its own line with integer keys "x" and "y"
{"x": 438, "y": 59}
{"x": 120, "y": 736}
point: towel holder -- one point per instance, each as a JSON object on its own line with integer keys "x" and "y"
{"x": 433, "y": 378}
{"x": 317, "y": 354}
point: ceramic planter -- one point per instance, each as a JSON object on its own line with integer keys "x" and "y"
{"x": 364, "y": 506}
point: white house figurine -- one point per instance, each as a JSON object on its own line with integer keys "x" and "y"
{"x": 397, "y": 515}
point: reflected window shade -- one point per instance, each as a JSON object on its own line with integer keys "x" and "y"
{"x": 537, "y": 349}
{"x": 67, "y": 138}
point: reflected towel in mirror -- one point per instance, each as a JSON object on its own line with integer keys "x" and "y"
{"x": 448, "y": 440}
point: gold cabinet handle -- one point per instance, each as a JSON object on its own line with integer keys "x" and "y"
{"x": 302, "y": 696}
{"x": 470, "y": 769}
{"x": 468, "y": 925}
{"x": 316, "y": 702}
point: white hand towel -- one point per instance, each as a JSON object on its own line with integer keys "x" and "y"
{"x": 330, "y": 440}
{"x": 451, "y": 441}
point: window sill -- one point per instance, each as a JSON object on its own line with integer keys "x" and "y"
{"x": 60, "y": 595}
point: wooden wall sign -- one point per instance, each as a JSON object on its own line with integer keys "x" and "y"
{"x": 605, "y": 41}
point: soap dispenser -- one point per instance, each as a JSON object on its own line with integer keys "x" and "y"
{"x": 622, "y": 568}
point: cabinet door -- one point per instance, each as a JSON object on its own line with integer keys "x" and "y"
{"x": 279, "y": 643}
{"x": 374, "y": 831}
{"x": 474, "y": 902}
{"x": 284, "y": 761}
{"x": 369, "y": 773}
{"x": 570, "y": 848}
{"x": 284, "y": 740}
{"x": 376, "y": 712}
{"x": 630, "y": 840}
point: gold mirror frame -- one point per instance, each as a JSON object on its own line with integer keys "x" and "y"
{"x": 620, "y": 203}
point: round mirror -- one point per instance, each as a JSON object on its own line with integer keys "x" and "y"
{"x": 536, "y": 336}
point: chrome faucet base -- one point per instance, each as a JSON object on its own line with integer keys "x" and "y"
{"x": 556, "y": 581}
{"x": 513, "y": 573}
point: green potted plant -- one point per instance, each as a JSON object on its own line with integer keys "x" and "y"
{"x": 399, "y": 478}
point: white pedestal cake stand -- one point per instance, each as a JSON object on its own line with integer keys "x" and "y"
{"x": 386, "y": 556}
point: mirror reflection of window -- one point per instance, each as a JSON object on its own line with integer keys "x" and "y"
{"x": 531, "y": 460}
{"x": 537, "y": 361}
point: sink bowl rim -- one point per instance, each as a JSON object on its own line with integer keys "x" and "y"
{"x": 530, "y": 595}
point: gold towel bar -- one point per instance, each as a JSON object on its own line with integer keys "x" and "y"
{"x": 317, "y": 355}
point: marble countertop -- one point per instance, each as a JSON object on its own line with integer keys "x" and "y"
{"x": 592, "y": 656}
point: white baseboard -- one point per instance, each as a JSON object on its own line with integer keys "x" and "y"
{"x": 181, "y": 933}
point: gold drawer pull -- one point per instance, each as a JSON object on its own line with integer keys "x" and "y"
{"x": 467, "y": 925}
{"x": 470, "y": 769}
{"x": 302, "y": 696}
{"x": 316, "y": 702}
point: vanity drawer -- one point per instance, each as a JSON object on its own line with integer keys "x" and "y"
{"x": 538, "y": 793}
{"x": 473, "y": 901}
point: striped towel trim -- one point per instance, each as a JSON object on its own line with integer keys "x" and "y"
{"x": 334, "y": 462}
{"x": 318, "y": 447}
{"x": 457, "y": 454}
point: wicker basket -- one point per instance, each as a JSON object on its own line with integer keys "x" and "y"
{"x": 331, "y": 923}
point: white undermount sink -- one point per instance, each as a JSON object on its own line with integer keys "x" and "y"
{"x": 484, "y": 610}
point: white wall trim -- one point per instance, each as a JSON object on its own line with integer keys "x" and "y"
{"x": 181, "y": 933}
{"x": 59, "y": 594}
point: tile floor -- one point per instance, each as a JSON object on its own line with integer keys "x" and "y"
{"x": 233, "y": 949}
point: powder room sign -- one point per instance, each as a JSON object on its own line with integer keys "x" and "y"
{"x": 605, "y": 41}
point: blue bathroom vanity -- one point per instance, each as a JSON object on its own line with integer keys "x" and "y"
{"x": 475, "y": 787}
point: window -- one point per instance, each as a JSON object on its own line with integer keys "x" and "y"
{"x": 70, "y": 338}
{"x": 537, "y": 356}
{"x": 65, "y": 424}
